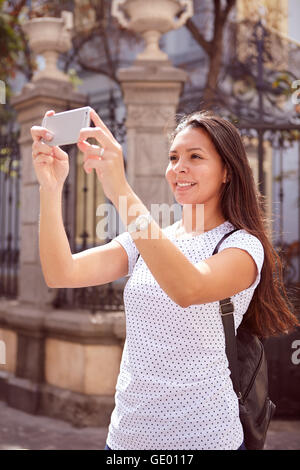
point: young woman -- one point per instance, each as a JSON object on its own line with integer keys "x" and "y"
{"x": 174, "y": 389}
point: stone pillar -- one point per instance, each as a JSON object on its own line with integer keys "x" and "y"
{"x": 34, "y": 296}
{"x": 151, "y": 89}
{"x": 151, "y": 92}
{"x": 32, "y": 103}
{"x": 49, "y": 88}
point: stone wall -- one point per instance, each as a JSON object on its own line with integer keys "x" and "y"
{"x": 60, "y": 363}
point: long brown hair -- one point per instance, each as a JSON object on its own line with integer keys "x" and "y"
{"x": 270, "y": 311}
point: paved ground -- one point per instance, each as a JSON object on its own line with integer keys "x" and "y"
{"x": 19, "y": 430}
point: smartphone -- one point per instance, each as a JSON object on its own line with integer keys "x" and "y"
{"x": 66, "y": 126}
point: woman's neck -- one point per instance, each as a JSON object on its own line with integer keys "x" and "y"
{"x": 197, "y": 220}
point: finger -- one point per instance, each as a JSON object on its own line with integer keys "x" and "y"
{"x": 40, "y": 147}
{"x": 95, "y": 163}
{"x": 98, "y": 163}
{"x": 39, "y": 132}
{"x": 92, "y": 157}
{"x": 90, "y": 150}
{"x": 43, "y": 158}
{"x": 45, "y": 155}
{"x": 95, "y": 133}
{"x": 99, "y": 123}
{"x": 107, "y": 158}
{"x": 59, "y": 153}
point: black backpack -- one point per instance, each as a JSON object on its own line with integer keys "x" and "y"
{"x": 249, "y": 374}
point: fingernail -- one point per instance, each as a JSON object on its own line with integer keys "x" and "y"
{"x": 49, "y": 135}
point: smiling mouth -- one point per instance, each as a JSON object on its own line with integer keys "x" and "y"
{"x": 185, "y": 187}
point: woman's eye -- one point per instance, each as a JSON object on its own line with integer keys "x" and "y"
{"x": 173, "y": 157}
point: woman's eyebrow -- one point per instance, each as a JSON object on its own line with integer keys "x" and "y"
{"x": 189, "y": 150}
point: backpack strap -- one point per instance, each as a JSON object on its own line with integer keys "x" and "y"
{"x": 222, "y": 239}
{"x": 226, "y": 310}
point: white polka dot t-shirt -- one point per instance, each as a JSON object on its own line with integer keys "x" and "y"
{"x": 174, "y": 389}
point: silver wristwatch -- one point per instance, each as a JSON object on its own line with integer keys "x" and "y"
{"x": 140, "y": 223}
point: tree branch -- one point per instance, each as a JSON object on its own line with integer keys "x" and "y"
{"x": 17, "y": 9}
{"x": 96, "y": 69}
{"x": 206, "y": 45}
{"x": 217, "y": 16}
{"x": 229, "y": 5}
{"x": 78, "y": 42}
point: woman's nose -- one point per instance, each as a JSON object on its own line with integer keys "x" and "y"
{"x": 179, "y": 166}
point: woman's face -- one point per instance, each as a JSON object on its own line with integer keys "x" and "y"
{"x": 194, "y": 159}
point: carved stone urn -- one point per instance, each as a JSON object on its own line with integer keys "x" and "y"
{"x": 151, "y": 19}
{"x": 49, "y": 37}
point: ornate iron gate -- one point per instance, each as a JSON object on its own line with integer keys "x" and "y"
{"x": 10, "y": 172}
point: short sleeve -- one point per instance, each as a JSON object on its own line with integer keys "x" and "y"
{"x": 248, "y": 242}
{"x": 126, "y": 241}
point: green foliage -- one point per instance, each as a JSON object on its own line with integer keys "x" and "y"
{"x": 15, "y": 54}
{"x": 41, "y": 8}
{"x": 10, "y": 43}
{"x": 74, "y": 78}
{"x": 8, "y": 165}
{"x": 283, "y": 83}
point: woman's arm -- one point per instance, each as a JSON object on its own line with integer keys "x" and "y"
{"x": 94, "y": 266}
{"x": 216, "y": 278}
{"x": 55, "y": 253}
{"x": 167, "y": 263}
{"x": 184, "y": 282}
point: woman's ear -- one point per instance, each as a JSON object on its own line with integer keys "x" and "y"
{"x": 225, "y": 178}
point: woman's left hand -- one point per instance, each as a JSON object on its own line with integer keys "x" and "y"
{"x": 110, "y": 166}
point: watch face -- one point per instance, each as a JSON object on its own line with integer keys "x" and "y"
{"x": 143, "y": 224}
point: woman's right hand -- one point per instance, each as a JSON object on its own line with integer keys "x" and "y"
{"x": 51, "y": 164}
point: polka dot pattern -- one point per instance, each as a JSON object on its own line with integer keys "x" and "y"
{"x": 174, "y": 389}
